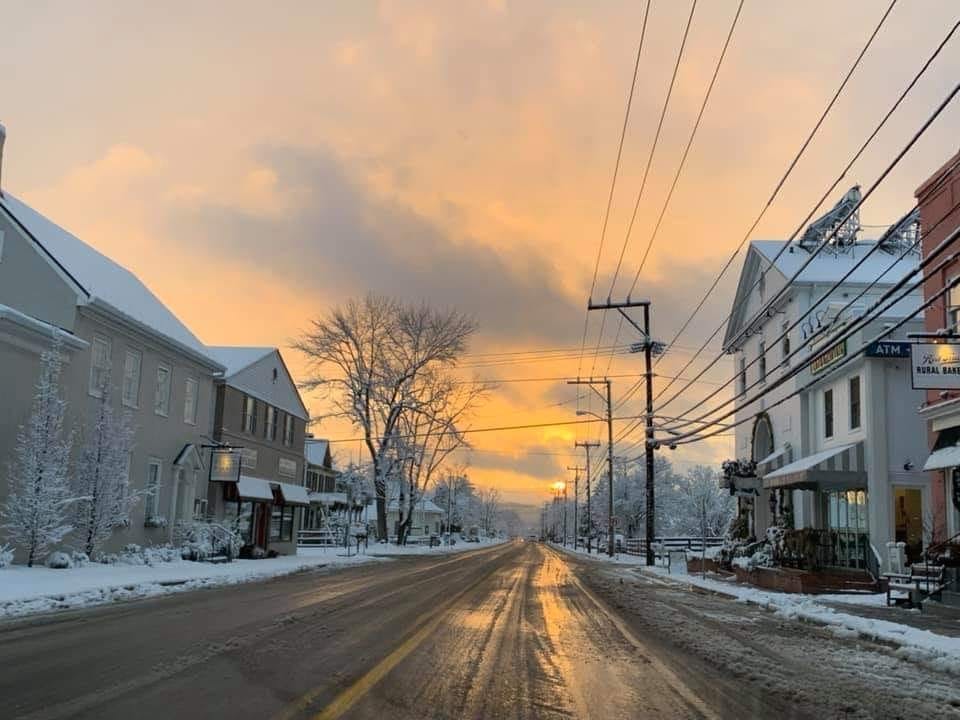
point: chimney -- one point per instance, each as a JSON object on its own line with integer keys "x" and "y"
{"x": 3, "y": 136}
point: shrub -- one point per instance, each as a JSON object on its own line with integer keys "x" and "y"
{"x": 202, "y": 540}
{"x": 59, "y": 561}
{"x": 6, "y": 555}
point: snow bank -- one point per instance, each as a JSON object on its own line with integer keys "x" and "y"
{"x": 388, "y": 549}
{"x": 24, "y": 591}
{"x": 937, "y": 651}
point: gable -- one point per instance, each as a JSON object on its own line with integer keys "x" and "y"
{"x": 29, "y": 283}
{"x": 269, "y": 380}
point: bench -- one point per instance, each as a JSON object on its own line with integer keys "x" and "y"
{"x": 925, "y": 580}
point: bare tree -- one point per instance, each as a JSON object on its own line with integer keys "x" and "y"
{"x": 368, "y": 356}
{"x": 489, "y": 502}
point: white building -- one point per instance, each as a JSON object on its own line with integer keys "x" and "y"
{"x": 846, "y": 453}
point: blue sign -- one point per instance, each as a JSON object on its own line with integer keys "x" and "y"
{"x": 884, "y": 349}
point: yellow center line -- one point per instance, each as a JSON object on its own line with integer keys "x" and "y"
{"x": 427, "y": 622}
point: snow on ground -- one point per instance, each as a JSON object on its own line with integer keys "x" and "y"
{"x": 24, "y": 591}
{"x": 389, "y": 549}
{"x": 937, "y": 651}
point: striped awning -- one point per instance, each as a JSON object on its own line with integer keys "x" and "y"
{"x": 839, "y": 467}
{"x": 775, "y": 461}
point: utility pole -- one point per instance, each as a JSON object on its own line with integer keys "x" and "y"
{"x": 648, "y": 348}
{"x": 586, "y": 446}
{"x": 591, "y": 382}
{"x": 576, "y": 495}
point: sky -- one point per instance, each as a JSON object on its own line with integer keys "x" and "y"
{"x": 258, "y": 165}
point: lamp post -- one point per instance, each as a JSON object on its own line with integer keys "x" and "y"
{"x": 609, "y": 419}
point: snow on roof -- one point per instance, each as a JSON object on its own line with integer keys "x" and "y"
{"x": 316, "y": 451}
{"x": 101, "y": 279}
{"x": 829, "y": 268}
{"x": 428, "y": 506}
{"x": 235, "y": 359}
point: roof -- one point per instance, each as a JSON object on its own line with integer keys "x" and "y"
{"x": 101, "y": 280}
{"x": 235, "y": 359}
{"x": 28, "y": 322}
{"x": 317, "y": 452}
{"x": 249, "y": 370}
{"x": 827, "y": 267}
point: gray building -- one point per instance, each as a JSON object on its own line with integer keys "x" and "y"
{"x": 259, "y": 413}
{"x": 113, "y": 328}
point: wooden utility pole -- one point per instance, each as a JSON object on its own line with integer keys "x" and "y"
{"x": 586, "y": 446}
{"x": 648, "y": 347}
{"x": 576, "y": 495}
{"x": 608, "y": 399}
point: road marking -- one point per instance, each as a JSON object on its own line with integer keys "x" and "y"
{"x": 672, "y": 679}
{"x": 428, "y": 622}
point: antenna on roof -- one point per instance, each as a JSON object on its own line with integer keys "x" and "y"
{"x": 835, "y": 224}
{"x": 903, "y": 235}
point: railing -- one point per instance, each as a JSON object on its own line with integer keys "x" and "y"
{"x": 662, "y": 545}
{"x": 324, "y": 537}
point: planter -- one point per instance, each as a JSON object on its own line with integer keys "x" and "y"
{"x": 803, "y": 581}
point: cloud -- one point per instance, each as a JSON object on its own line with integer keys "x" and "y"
{"x": 339, "y": 238}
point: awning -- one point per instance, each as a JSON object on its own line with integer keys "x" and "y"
{"x": 251, "y": 488}
{"x": 838, "y": 467}
{"x": 775, "y": 460}
{"x": 329, "y": 498}
{"x": 294, "y": 494}
{"x": 946, "y": 450}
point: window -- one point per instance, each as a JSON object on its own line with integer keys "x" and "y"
{"x": 249, "y": 419}
{"x": 763, "y": 362}
{"x": 281, "y": 523}
{"x": 190, "y": 401}
{"x": 828, "y": 413}
{"x": 743, "y": 373}
{"x": 130, "y": 394}
{"x": 270, "y": 426}
{"x": 785, "y": 345}
{"x": 151, "y": 503}
{"x": 288, "y": 430}
{"x": 953, "y": 308}
{"x": 287, "y": 467}
{"x": 313, "y": 480}
{"x": 248, "y": 458}
{"x": 855, "y": 402}
{"x": 99, "y": 365}
{"x": 161, "y": 403}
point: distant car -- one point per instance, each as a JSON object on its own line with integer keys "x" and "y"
{"x": 532, "y": 538}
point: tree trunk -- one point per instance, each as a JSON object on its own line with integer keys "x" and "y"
{"x": 382, "y": 515}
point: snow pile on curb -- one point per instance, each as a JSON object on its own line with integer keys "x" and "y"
{"x": 936, "y": 651}
{"x": 25, "y": 591}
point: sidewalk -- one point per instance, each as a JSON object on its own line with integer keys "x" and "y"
{"x": 931, "y": 637}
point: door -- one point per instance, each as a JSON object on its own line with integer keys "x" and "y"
{"x": 908, "y": 520}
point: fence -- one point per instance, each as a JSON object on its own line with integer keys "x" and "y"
{"x": 663, "y": 545}
{"x": 325, "y": 537}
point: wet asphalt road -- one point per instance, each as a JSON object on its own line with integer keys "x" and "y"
{"x": 512, "y": 631}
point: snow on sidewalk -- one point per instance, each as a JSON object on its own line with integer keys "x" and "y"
{"x": 389, "y": 549}
{"x": 937, "y": 651}
{"x": 24, "y": 591}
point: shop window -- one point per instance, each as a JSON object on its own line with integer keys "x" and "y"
{"x": 281, "y": 523}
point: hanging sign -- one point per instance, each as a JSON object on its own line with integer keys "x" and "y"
{"x": 935, "y": 366}
{"x": 828, "y": 357}
{"x": 885, "y": 349}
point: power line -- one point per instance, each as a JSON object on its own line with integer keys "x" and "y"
{"x": 613, "y": 181}
{"x": 672, "y": 344}
{"x": 782, "y": 291}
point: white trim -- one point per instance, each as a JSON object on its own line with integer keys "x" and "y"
{"x": 93, "y": 388}
{"x": 151, "y": 462}
{"x": 135, "y": 402}
{"x": 196, "y": 400}
{"x": 156, "y": 389}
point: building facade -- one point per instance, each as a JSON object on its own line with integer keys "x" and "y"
{"x": 118, "y": 335}
{"x": 819, "y": 429}
{"x": 939, "y": 202}
{"x": 260, "y": 415}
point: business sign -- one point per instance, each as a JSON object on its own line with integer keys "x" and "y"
{"x": 224, "y": 464}
{"x": 885, "y": 349}
{"x": 828, "y": 357}
{"x": 935, "y": 366}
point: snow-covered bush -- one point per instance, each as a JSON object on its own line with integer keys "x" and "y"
{"x": 6, "y": 555}
{"x": 59, "y": 561}
{"x": 133, "y": 554}
{"x": 79, "y": 559}
{"x": 36, "y": 513}
{"x": 155, "y": 521}
{"x": 761, "y": 558}
{"x": 203, "y": 540}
